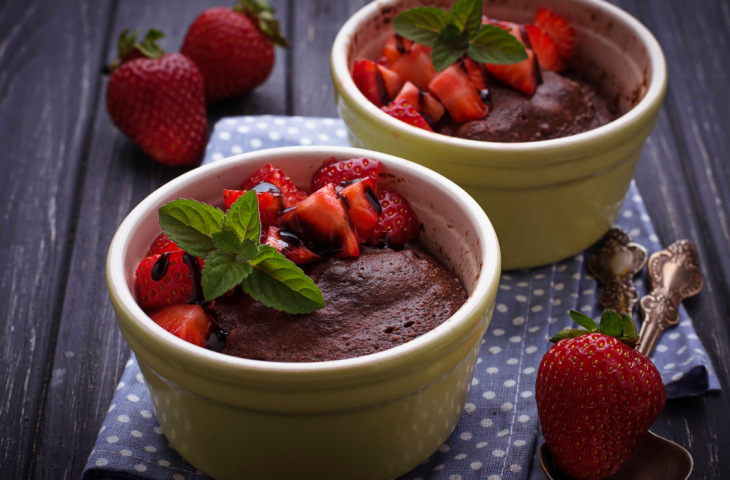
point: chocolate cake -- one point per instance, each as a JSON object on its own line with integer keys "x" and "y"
{"x": 376, "y": 301}
{"x": 561, "y": 106}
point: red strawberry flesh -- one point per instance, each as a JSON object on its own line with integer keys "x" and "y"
{"x": 290, "y": 246}
{"x": 364, "y": 207}
{"x": 425, "y": 103}
{"x": 458, "y": 94}
{"x": 188, "y": 322}
{"x": 163, "y": 244}
{"x": 369, "y": 81}
{"x": 322, "y": 222}
{"x": 558, "y": 28}
{"x": 342, "y": 171}
{"x": 404, "y": 112}
{"x": 163, "y": 280}
{"x": 545, "y": 49}
{"x": 398, "y": 223}
{"x": 415, "y": 66}
{"x": 292, "y": 196}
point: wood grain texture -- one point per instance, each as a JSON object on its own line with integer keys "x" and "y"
{"x": 90, "y": 352}
{"x": 61, "y": 353}
{"x": 49, "y": 56}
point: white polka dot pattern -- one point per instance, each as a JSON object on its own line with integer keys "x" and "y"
{"x": 497, "y": 432}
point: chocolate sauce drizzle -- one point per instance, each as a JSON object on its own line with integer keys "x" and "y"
{"x": 159, "y": 269}
{"x": 196, "y": 293}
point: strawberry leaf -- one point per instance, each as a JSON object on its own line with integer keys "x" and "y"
{"x": 466, "y": 15}
{"x": 191, "y": 224}
{"x": 278, "y": 283}
{"x": 243, "y": 218}
{"x": 570, "y": 333}
{"x": 584, "y": 321}
{"x": 497, "y": 46}
{"x": 422, "y": 25}
{"x": 611, "y": 324}
{"x": 221, "y": 273}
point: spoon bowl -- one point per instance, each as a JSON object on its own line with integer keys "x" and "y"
{"x": 654, "y": 458}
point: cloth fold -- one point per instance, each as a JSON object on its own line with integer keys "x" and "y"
{"x": 499, "y": 430}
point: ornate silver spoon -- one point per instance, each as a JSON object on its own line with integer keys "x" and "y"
{"x": 653, "y": 458}
{"x": 615, "y": 263}
{"x": 674, "y": 274}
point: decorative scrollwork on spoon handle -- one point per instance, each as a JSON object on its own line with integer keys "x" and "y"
{"x": 674, "y": 274}
{"x": 614, "y": 264}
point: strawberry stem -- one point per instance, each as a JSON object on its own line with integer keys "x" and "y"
{"x": 129, "y": 49}
{"x": 621, "y": 327}
{"x": 262, "y": 13}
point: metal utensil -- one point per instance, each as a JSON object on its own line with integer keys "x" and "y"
{"x": 653, "y": 458}
{"x": 615, "y": 263}
{"x": 674, "y": 274}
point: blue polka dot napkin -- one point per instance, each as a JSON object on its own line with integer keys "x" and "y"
{"x": 499, "y": 431}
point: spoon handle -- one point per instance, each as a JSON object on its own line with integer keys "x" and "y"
{"x": 659, "y": 313}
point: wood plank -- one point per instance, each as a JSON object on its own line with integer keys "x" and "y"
{"x": 90, "y": 353}
{"x": 676, "y": 180}
{"x": 317, "y": 24}
{"x": 47, "y": 92}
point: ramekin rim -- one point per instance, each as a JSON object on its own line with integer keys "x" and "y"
{"x": 653, "y": 97}
{"x": 189, "y": 354}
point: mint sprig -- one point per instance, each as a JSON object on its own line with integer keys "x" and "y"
{"x": 229, "y": 244}
{"x": 459, "y": 32}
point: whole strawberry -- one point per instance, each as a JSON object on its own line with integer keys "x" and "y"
{"x": 234, "y": 48}
{"x": 157, "y": 100}
{"x": 596, "y": 395}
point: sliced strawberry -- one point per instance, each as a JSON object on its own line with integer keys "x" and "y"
{"x": 369, "y": 81}
{"x": 323, "y": 224}
{"x": 189, "y": 322}
{"x": 398, "y": 223}
{"x": 415, "y": 66}
{"x": 395, "y": 47}
{"x": 292, "y": 196}
{"x": 392, "y": 81}
{"x": 523, "y": 76}
{"x": 559, "y": 30}
{"x": 544, "y": 47}
{"x": 383, "y": 61}
{"x": 290, "y": 246}
{"x": 364, "y": 207}
{"x": 343, "y": 171}
{"x": 425, "y": 103}
{"x": 474, "y": 72}
{"x": 163, "y": 280}
{"x": 271, "y": 202}
{"x": 460, "y": 97}
{"x": 403, "y": 111}
{"x": 163, "y": 244}
{"x": 514, "y": 28}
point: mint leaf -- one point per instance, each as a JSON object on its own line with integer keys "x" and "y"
{"x": 611, "y": 324}
{"x": 570, "y": 333}
{"x": 221, "y": 273}
{"x": 228, "y": 242}
{"x": 278, "y": 283}
{"x": 243, "y": 218}
{"x": 584, "y": 321}
{"x": 191, "y": 224}
{"x": 422, "y": 25}
{"x": 448, "y": 47}
{"x": 495, "y": 45}
{"x": 466, "y": 15}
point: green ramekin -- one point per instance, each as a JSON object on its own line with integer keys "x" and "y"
{"x": 547, "y": 200}
{"x": 371, "y": 417}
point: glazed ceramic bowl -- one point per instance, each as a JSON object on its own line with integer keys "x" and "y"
{"x": 547, "y": 200}
{"x": 372, "y": 417}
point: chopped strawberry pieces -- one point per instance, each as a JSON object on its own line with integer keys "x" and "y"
{"x": 292, "y": 196}
{"x": 395, "y": 47}
{"x": 163, "y": 244}
{"x": 322, "y": 222}
{"x": 514, "y": 28}
{"x": 270, "y": 200}
{"x": 398, "y": 222}
{"x": 522, "y": 76}
{"x": 188, "y": 322}
{"x": 415, "y": 66}
{"x": 475, "y": 73}
{"x": 544, "y": 47}
{"x": 163, "y": 280}
{"x": 558, "y": 28}
{"x": 230, "y": 196}
{"x": 290, "y": 246}
{"x": 404, "y": 112}
{"x": 391, "y": 80}
{"x": 341, "y": 171}
{"x": 364, "y": 207}
{"x": 425, "y": 103}
{"x": 369, "y": 81}
{"x": 458, "y": 94}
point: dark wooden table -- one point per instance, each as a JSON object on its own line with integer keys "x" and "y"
{"x": 68, "y": 177}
